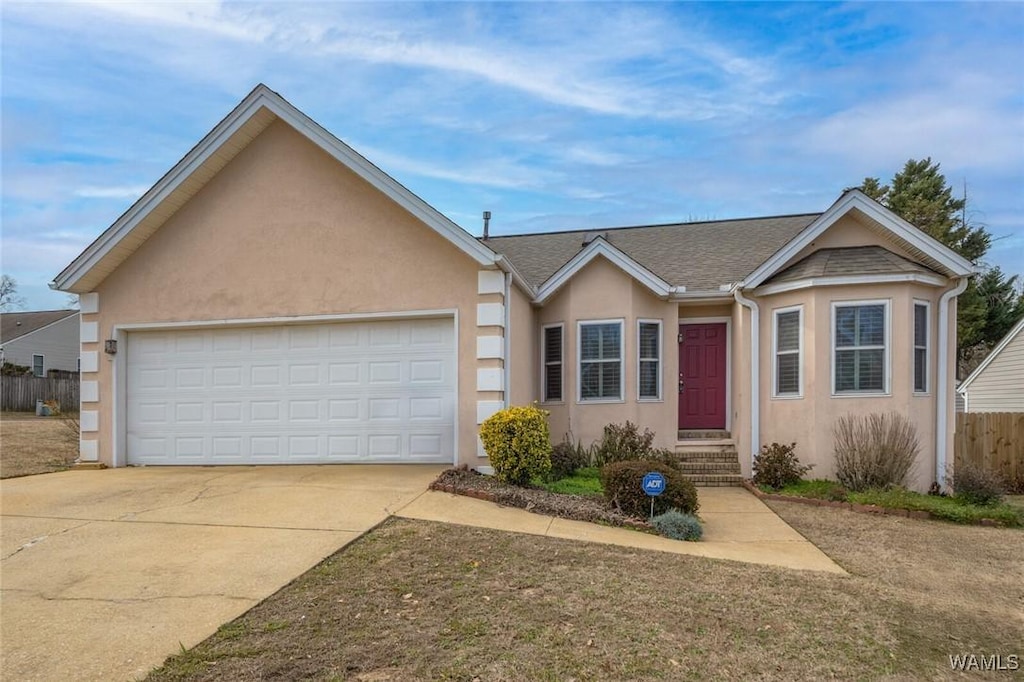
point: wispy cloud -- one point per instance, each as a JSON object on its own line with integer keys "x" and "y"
{"x": 551, "y": 115}
{"x": 112, "y": 192}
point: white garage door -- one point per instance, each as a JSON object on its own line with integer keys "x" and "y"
{"x": 352, "y": 392}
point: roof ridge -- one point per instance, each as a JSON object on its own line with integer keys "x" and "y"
{"x": 651, "y": 225}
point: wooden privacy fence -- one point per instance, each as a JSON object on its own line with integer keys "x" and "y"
{"x": 993, "y": 441}
{"x": 20, "y": 393}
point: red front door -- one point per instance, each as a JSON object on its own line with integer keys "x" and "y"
{"x": 702, "y": 376}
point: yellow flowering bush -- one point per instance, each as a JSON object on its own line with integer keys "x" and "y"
{"x": 518, "y": 443}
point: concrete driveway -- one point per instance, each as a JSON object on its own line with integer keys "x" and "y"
{"x": 106, "y": 573}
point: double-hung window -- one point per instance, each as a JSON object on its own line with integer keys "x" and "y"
{"x": 920, "y": 347}
{"x": 860, "y": 338}
{"x": 600, "y": 360}
{"x": 787, "y": 343}
{"x": 552, "y": 363}
{"x": 38, "y": 366}
{"x": 649, "y": 360}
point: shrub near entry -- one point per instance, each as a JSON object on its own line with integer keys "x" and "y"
{"x": 518, "y": 443}
{"x": 777, "y": 466}
{"x": 623, "y": 487}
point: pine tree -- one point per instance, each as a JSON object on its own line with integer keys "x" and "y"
{"x": 991, "y": 304}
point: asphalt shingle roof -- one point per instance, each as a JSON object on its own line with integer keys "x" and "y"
{"x": 699, "y": 256}
{"x": 13, "y": 325}
{"x": 854, "y": 260}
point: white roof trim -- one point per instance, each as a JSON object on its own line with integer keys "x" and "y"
{"x": 600, "y": 247}
{"x": 962, "y": 388}
{"x": 263, "y": 97}
{"x": 920, "y": 278}
{"x": 855, "y": 199}
{"x": 505, "y": 265}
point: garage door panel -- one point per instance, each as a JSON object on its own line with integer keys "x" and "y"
{"x": 372, "y": 391}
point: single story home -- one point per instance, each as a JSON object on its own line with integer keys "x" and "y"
{"x": 997, "y": 384}
{"x": 41, "y": 340}
{"x": 277, "y": 298}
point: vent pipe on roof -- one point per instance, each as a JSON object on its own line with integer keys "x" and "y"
{"x": 487, "y": 224}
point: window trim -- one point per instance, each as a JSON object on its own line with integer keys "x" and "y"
{"x": 579, "y": 361}
{"x": 886, "y": 304}
{"x": 660, "y": 359}
{"x": 42, "y": 364}
{"x": 543, "y": 363}
{"x": 927, "y": 305}
{"x": 799, "y": 309}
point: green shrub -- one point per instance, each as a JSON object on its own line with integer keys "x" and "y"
{"x": 876, "y": 451}
{"x": 777, "y": 466}
{"x": 678, "y": 526}
{"x": 566, "y": 459}
{"x": 975, "y": 485}
{"x": 623, "y": 488}
{"x": 623, "y": 442}
{"x": 518, "y": 443}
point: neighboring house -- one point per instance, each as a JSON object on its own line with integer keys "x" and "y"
{"x": 41, "y": 340}
{"x": 997, "y": 385}
{"x": 277, "y": 298}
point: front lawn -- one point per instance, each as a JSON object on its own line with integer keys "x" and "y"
{"x": 416, "y": 600}
{"x": 946, "y": 508}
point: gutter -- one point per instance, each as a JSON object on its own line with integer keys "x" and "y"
{"x": 755, "y": 369}
{"x": 941, "y": 392}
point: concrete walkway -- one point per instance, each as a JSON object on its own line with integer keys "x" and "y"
{"x": 106, "y": 573}
{"x": 737, "y": 526}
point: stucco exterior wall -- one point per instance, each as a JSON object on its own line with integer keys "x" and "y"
{"x": 999, "y": 387}
{"x": 808, "y": 420}
{"x": 285, "y": 230}
{"x": 523, "y": 354}
{"x": 601, "y": 291}
{"x": 57, "y": 342}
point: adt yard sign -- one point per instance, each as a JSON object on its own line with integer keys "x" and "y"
{"x": 654, "y": 484}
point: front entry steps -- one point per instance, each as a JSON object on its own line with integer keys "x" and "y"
{"x": 709, "y": 458}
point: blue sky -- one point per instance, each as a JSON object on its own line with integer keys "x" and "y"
{"x": 552, "y": 116}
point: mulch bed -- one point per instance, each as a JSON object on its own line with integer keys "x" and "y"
{"x": 592, "y": 508}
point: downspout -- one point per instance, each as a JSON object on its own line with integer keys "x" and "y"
{"x": 941, "y": 391}
{"x": 508, "y": 337}
{"x": 755, "y": 370}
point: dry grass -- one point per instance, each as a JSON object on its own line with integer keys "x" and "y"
{"x": 416, "y": 600}
{"x": 35, "y": 445}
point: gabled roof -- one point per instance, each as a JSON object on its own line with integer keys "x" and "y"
{"x": 253, "y": 114}
{"x": 1003, "y": 343}
{"x": 15, "y": 325}
{"x": 695, "y": 256}
{"x": 877, "y": 218}
{"x": 851, "y": 260}
{"x": 599, "y": 246}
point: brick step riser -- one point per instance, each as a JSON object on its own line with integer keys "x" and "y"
{"x": 706, "y": 457}
{"x": 703, "y": 482}
{"x": 703, "y": 435}
{"x": 705, "y": 447}
{"x": 710, "y": 468}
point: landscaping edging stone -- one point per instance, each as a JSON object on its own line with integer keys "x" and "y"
{"x": 477, "y": 486}
{"x": 859, "y": 508}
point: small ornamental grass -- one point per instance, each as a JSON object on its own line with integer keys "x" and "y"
{"x": 518, "y": 443}
{"x": 678, "y": 526}
{"x": 874, "y": 451}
